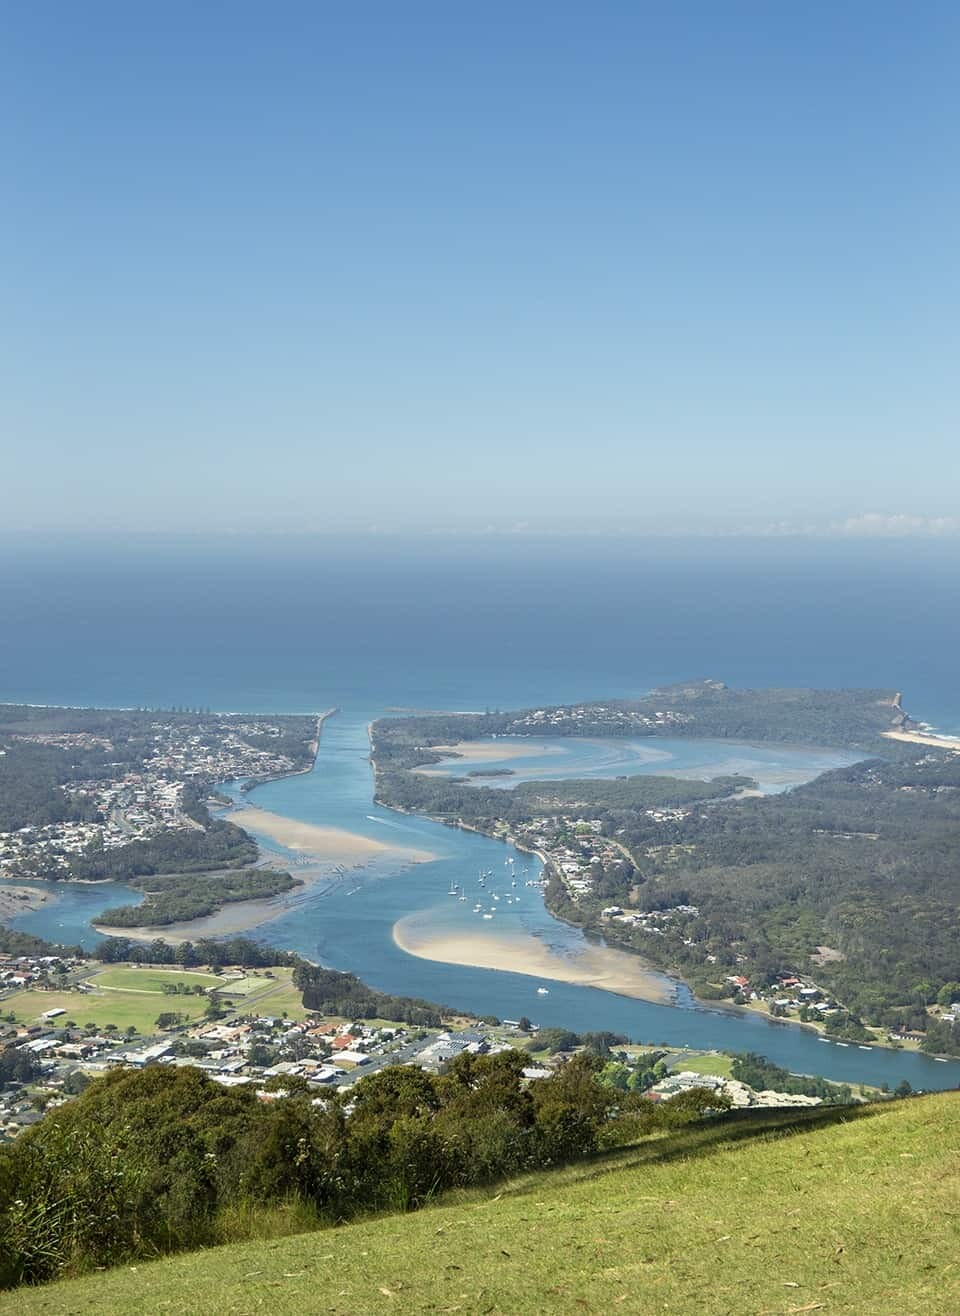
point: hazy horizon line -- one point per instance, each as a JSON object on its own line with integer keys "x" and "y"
{"x": 861, "y": 526}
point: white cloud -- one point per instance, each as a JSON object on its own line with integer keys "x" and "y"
{"x": 865, "y": 525}
{"x": 898, "y": 525}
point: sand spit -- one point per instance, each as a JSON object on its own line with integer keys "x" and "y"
{"x": 468, "y": 752}
{"x": 594, "y": 966}
{"x": 330, "y": 844}
{"x": 925, "y": 738}
{"x": 324, "y": 848}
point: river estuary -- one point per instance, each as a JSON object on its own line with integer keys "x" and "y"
{"x": 347, "y": 915}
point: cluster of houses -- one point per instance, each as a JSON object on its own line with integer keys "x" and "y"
{"x": 130, "y": 808}
{"x": 572, "y": 848}
{"x": 664, "y": 815}
{"x": 247, "y": 1049}
{"x": 216, "y": 751}
{"x": 64, "y": 739}
{"x": 135, "y": 805}
{"x": 739, "y": 1093}
{"x": 602, "y": 716}
{"x": 19, "y": 971}
{"x": 42, "y": 851}
{"x": 52, "y": 1060}
{"x": 657, "y": 921}
{"x": 788, "y": 995}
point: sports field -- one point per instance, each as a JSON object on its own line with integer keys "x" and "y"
{"x": 126, "y": 1009}
{"x": 132, "y": 978}
{"x": 244, "y": 986}
{"x": 130, "y": 995}
{"x": 712, "y": 1062}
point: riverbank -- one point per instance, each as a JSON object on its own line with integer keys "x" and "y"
{"x": 318, "y": 853}
{"x": 644, "y": 980}
{"x": 16, "y": 900}
{"x": 586, "y": 914}
{"x": 593, "y": 966}
{"x": 314, "y": 747}
{"x": 877, "y": 1041}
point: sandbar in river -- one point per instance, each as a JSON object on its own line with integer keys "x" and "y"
{"x": 332, "y": 844}
{"x": 604, "y": 967}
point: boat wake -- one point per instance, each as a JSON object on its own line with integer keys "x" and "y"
{"x": 386, "y": 822}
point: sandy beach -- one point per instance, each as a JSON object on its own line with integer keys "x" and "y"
{"x": 595, "y": 966}
{"x": 925, "y": 738}
{"x": 20, "y": 899}
{"x": 323, "y": 846}
{"x": 323, "y": 843}
{"x": 467, "y": 752}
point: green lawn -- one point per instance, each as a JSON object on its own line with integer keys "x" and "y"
{"x": 123, "y": 1008}
{"x": 126, "y": 978}
{"x": 703, "y": 1064}
{"x": 273, "y": 998}
{"x": 127, "y": 996}
{"x": 243, "y": 986}
{"x": 768, "y": 1214}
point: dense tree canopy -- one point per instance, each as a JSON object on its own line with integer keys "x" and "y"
{"x": 151, "y": 1161}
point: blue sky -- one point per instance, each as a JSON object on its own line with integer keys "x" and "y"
{"x": 632, "y": 268}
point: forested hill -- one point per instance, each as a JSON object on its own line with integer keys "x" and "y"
{"x": 850, "y": 881}
{"x": 863, "y": 860}
{"x": 704, "y": 709}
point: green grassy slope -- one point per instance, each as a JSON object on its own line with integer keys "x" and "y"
{"x": 819, "y": 1211}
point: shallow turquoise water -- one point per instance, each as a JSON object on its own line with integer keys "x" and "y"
{"x": 773, "y": 767}
{"x": 70, "y": 907}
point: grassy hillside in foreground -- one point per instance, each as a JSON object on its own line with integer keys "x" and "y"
{"x": 832, "y": 1211}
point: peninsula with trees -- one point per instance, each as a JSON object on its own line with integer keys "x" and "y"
{"x": 835, "y": 904}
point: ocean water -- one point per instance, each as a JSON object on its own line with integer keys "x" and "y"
{"x": 295, "y": 625}
{"x": 301, "y": 626}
